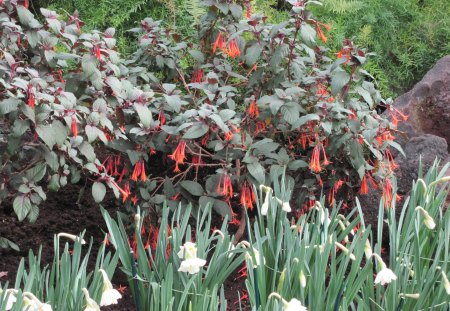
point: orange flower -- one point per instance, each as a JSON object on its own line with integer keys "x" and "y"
{"x": 179, "y": 155}
{"x": 219, "y": 43}
{"x": 325, "y": 160}
{"x": 31, "y": 97}
{"x": 97, "y": 51}
{"x": 247, "y": 196}
{"x": 74, "y": 126}
{"x": 314, "y": 165}
{"x": 253, "y": 110}
{"x": 364, "y": 187}
{"x": 232, "y": 49}
{"x": 139, "y": 171}
{"x": 227, "y": 187}
{"x": 390, "y": 160}
{"x": 229, "y": 135}
{"x": 161, "y": 118}
{"x": 387, "y": 193}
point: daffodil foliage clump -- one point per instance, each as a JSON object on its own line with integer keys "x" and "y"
{"x": 198, "y": 120}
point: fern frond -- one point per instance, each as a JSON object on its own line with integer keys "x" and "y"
{"x": 194, "y": 8}
{"x": 343, "y": 6}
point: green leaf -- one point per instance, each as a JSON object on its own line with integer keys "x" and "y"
{"x": 253, "y": 53}
{"x": 308, "y": 34}
{"x": 339, "y": 79}
{"x": 236, "y": 10}
{"x": 192, "y": 187}
{"x": 197, "y": 130}
{"x": 22, "y": 206}
{"x": 305, "y": 119}
{"x": 296, "y": 164}
{"x": 98, "y": 191}
{"x": 37, "y": 172}
{"x": 8, "y": 105}
{"x": 55, "y": 133}
{"x": 197, "y": 55}
{"x": 88, "y": 151}
{"x": 257, "y": 171}
{"x": 144, "y": 113}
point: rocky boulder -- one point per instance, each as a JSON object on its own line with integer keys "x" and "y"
{"x": 427, "y": 105}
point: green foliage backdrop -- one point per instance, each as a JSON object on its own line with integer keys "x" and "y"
{"x": 408, "y": 36}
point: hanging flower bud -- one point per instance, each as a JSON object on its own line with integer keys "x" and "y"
{"x": 427, "y": 219}
{"x": 179, "y": 155}
{"x": 74, "y": 126}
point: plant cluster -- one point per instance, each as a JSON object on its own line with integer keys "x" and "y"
{"x": 321, "y": 261}
{"x": 196, "y": 121}
{"x": 329, "y": 261}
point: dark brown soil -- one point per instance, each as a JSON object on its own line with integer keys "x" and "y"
{"x": 60, "y": 213}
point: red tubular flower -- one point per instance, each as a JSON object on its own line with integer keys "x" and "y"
{"x": 161, "y": 118}
{"x": 97, "y": 51}
{"x": 227, "y": 188}
{"x": 387, "y": 193}
{"x": 197, "y": 76}
{"x": 247, "y": 196}
{"x": 390, "y": 160}
{"x": 179, "y": 155}
{"x": 74, "y": 126}
{"x": 229, "y": 135}
{"x": 325, "y": 159}
{"x": 31, "y": 97}
{"x": 219, "y": 43}
{"x": 26, "y": 4}
{"x": 314, "y": 165}
{"x": 136, "y": 171}
{"x": 232, "y": 49}
{"x": 204, "y": 140}
{"x": 253, "y": 110}
{"x": 320, "y": 32}
{"x": 364, "y": 187}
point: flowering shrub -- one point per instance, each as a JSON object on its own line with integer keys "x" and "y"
{"x": 195, "y": 121}
{"x": 329, "y": 261}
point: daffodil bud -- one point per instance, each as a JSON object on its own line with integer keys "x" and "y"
{"x": 345, "y": 250}
{"x": 368, "y": 250}
{"x": 71, "y": 237}
{"x": 445, "y": 282}
{"x": 412, "y": 296}
{"x": 427, "y": 219}
{"x": 302, "y": 278}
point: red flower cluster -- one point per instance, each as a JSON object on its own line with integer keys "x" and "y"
{"x": 315, "y": 158}
{"x": 247, "y": 196}
{"x": 139, "y": 171}
{"x": 225, "y": 186}
{"x": 232, "y": 49}
{"x": 179, "y": 155}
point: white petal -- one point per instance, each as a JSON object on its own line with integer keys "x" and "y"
{"x": 385, "y": 276}
{"x": 192, "y": 265}
{"x": 286, "y": 207}
{"x": 110, "y": 297}
{"x": 294, "y": 305}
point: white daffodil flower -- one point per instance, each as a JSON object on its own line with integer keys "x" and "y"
{"x": 293, "y": 305}
{"x": 445, "y": 282}
{"x": 187, "y": 251}
{"x": 110, "y": 296}
{"x": 265, "y": 205}
{"x": 11, "y": 294}
{"x": 32, "y": 303}
{"x": 427, "y": 219}
{"x": 71, "y": 237}
{"x": 192, "y": 265}
{"x": 386, "y": 275}
{"x": 91, "y": 305}
{"x": 286, "y": 207}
